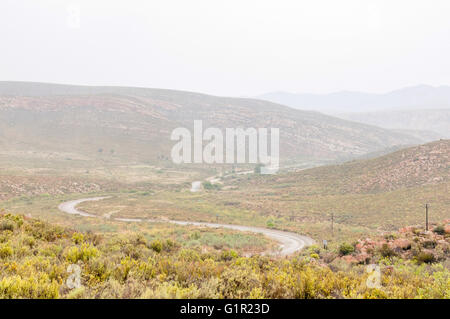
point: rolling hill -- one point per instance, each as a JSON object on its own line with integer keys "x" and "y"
{"x": 134, "y": 124}
{"x": 365, "y": 196}
{"x": 422, "y": 165}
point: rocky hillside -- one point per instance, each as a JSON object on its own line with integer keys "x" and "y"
{"x": 427, "y": 164}
{"x": 12, "y": 186}
{"x": 422, "y": 165}
{"x": 411, "y": 243}
{"x": 136, "y": 123}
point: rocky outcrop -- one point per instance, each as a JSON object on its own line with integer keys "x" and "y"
{"x": 410, "y": 242}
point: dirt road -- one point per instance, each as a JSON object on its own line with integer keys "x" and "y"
{"x": 289, "y": 242}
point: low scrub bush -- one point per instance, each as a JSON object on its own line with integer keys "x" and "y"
{"x": 346, "y": 249}
{"x": 130, "y": 267}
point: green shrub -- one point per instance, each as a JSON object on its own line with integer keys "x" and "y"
{"x": 7, "y": 225}
{"x": 375, "y": 294}
{"x": 98, "y": 269}
{"x": 425, "y": 257}
{"x": 238, "y": 282}
{"x": 169, "y": 245}
{"x": 31, "y": 287}
{"x": 314, "y": 249}
{"x": 77, "y": 238}
{"x": 228, "y": 255}
{"x": 44, "y": 231}
{"x": 171, "y": 290}
{"x": 210, "y": 186}
{"x": 440, "y": 230}
{"x": 195, "y": 235}
{"x": 346, "y": 249}
{"x": 430, "y": 244}
{"x": 386, "y": 251}
{"x": 156, "y": 245}
{"x": 390, "y": 237}
{"x": 77, "y": 293}
{"x": 5, "y": 251}
{"x": 84, "y": 253}
{"x": 10, "y": 222}
{"x": 28, "y": 241}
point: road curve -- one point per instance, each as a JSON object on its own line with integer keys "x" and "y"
{"x": 69, "y": 207}
{"x": 289, "y": 242}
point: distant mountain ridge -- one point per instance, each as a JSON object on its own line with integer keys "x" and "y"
{"x": 414, "y": 97}
{"x": 434, "y": 121}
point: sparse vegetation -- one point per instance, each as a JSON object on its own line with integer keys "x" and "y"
{"x": 133, "y": 260}
{"x": 210, "y": 186}
{"x": 131, "y": 267}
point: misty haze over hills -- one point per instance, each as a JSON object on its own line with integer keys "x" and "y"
{"x": 434, "y": 123}
{"x": 415, "y": 97}
{"x": 422, "y": 111}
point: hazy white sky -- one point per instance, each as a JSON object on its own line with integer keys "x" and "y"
{"x": 228, "y": 47}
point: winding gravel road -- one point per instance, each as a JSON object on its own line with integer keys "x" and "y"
{"x": 289, "y": 242}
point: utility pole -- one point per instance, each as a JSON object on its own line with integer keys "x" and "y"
{"x": 426, "y": 216}
{"x": 332, "y": 222}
